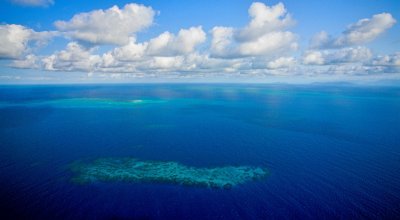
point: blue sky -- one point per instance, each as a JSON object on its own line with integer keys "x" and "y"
{"x": 61, "y": 41}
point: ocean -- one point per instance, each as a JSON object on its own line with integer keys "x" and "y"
{"x": 329, "y": 151}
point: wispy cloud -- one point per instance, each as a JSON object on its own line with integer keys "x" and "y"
{"x": 361, "y": 32}
{"x": 34, "y": 3}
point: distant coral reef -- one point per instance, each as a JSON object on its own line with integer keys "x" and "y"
{"x": 134, "y": 170}
{"x": 84, "y": 103}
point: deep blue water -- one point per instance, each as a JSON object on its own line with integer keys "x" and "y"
{"x": 332, "y": 151}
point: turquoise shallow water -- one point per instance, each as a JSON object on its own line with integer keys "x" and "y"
{"x": 331, "y": 151}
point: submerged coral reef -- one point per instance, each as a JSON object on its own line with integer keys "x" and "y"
{"x": 84, "y": 103}
{"x": 134, "y": 170}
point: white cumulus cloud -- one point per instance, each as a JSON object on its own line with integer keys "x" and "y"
{"x": 14, "y": 40}
{"x": 387, "y": 60}
{"x": 111, "y": 26}
{"x": 269, "y": 44}
{"x": 104, "y": 43}
{"x": 185, "y": 42}
{"x": 265, "y": 35}
{"x": 165, "y": 45}
{"x": 131, "y": 52}
{"x": 332, "y": 56}
{"x": 349, "y": 55}
{"x": 221, "y": 38}
{"x": 265, "y": 19}
{"x": 74, "y": 58}
{"x": 313, "y": 58}
{"x": 281, "y": 62}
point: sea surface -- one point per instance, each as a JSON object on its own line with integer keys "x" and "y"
{"x": 332, "y": 151}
